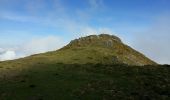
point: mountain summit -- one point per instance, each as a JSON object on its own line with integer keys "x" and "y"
{"x": 103, "y": 48}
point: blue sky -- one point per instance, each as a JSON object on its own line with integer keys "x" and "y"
{"x": 33, "y": 26}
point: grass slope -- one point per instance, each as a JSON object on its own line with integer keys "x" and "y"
{"x": 89, "y": 68}
{"x": 104, "y": 49}
{"x": 45, "y": 81}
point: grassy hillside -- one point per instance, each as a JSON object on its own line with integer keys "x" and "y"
{"x": 85, "y": 82}
{"x": 90, "y": 68}
{"x": 104, "y": 49}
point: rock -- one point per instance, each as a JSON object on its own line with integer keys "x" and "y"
{"x": 109, "y": 43}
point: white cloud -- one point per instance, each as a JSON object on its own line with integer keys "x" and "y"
{"x": 7, "y": 55}
{"x": 34, "y": 46}
{"x": 1, "y": 50}
{"x": 18, "y": 17}
{"x": 42, "y": 44}
{"x": 88, "y": 31}
{"x": 85, "y": 30}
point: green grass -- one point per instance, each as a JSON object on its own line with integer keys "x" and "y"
{"x": 87, "y": 82}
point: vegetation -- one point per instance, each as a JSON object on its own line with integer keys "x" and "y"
{"x": 105, "y": 49}
{"x": 87, "y": 82}
{"x": 90, "y": 68}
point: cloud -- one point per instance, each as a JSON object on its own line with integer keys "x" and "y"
{"x": 34, "y": 46}
{"x": 18, "y": 17}
{"x": 41, "y": 44}
{"x": 1, "y": 50}
{"x": 154, "y": 42}
{"x": 85, "y": 30}
{"x": 90, "y": 30}
{"x": 7, "y": 55}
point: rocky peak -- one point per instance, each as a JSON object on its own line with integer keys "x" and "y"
{"x": 110, "y": 37}
{"x": 102, "y": 39}
{"x": 103, "y": 48}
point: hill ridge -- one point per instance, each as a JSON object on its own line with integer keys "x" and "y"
{"x": 91, "y": 38}
{"x": 103, "y": 48}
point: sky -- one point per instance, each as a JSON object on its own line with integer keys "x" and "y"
{"x": 34, "y": 26}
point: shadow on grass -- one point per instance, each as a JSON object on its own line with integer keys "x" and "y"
{"x": 88, "y": 82}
